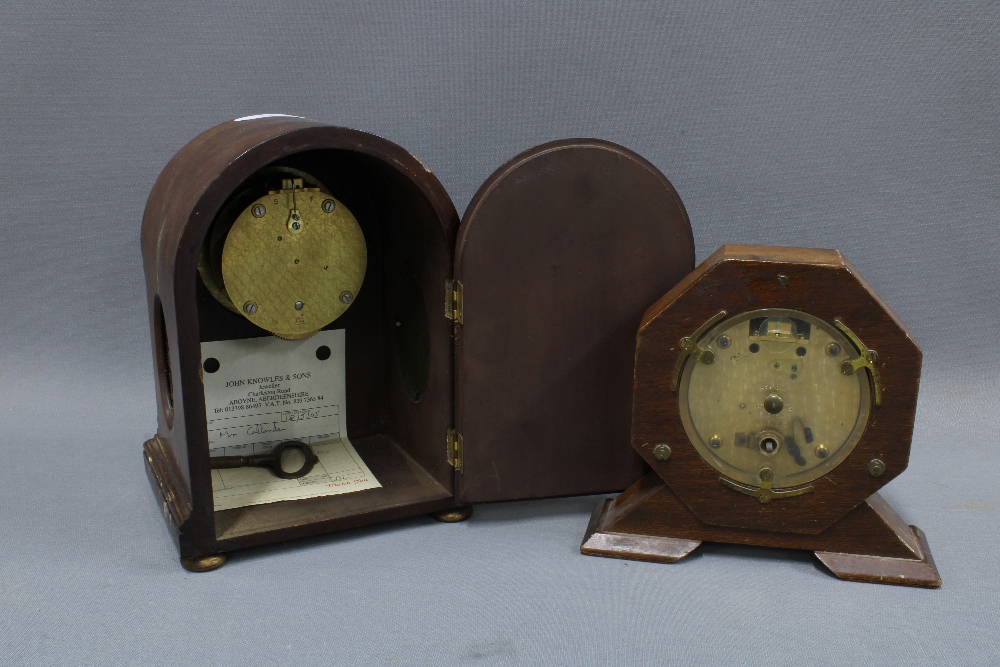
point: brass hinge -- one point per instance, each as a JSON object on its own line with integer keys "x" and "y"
{"x": 454, "y": 301}
{"x": 456, "y": 457}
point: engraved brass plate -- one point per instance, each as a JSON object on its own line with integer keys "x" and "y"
{"x": 774, "y": 399}
{"x": 294, "y": 260}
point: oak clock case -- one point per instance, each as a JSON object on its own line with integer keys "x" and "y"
{"x": 774, "y": 394}
{"x": 480, "y": 357}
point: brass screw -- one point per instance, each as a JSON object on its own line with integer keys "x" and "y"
{"x": 329, "y": 205}
{"x": 766, "y": 474}
{"x": 782, "y": 281}
{"x": 773, "y": 404}
{"x": 250, "y": 307}
{"x": 258, "y": 211}
{"x": 876, "y": 468}
{"x": 661, "y": 452}
{"x": 708, "y": 357}
{"x": 346, "y": 297}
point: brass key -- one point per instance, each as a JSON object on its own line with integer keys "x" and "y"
{"x": 271, "y": 460}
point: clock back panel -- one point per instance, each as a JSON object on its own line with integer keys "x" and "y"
{"x": 559, "y": 253}
{"x": 738, "y": 279}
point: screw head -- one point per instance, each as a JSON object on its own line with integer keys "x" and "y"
{"x": 708, "y": 357}
{"x": 296, "y": 225}
{"x": 782, "y": 281}
{"x": 766, "y": 474}
{"x": 328, "y": 205}
{"x": 822, "y": 452}
{"x": 723, "y": 341}
{"x": 258, "y": 211}
{"x": 847, "y": 368}
{"x": 346, "y": 297}
{"x": 299, "y": 305}
{"x": 662, "y": 452}
{"x": 715, "y": 442}
{"x": 249, "y": 307}
{"x": 876, "y": 467}
{"x": 773, "y": 404}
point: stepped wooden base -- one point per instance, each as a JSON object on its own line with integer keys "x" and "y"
{"x": 869, "y": 544}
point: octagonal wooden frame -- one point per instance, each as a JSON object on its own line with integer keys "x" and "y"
{"x": 743, "y": 278}
{"x": 667, "y": 513}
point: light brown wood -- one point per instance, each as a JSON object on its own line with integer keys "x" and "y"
{"x": 871, "y": 543}
{"x": 667, "y": 513}
{"x": 739, "y": 278}
{"x": 599, "y": 541}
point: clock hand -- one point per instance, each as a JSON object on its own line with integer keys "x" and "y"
{"x": 294, "y": 217}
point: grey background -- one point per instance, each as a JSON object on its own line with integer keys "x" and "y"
{"x": 868, "y": 127}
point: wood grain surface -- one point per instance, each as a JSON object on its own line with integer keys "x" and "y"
{"x": 743, "y": 278}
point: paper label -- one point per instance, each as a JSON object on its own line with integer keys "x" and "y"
{"x": 265, "y": 391}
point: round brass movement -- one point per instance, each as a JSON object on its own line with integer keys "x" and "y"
{"x": 294, "y": 260}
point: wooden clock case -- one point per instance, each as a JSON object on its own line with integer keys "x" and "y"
{"x": 514, "y": 380}
{"x": 668, "y": 512}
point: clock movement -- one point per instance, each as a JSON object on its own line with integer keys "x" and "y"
{"x": 334, "y": 348}
{"x": 774, "y": 395}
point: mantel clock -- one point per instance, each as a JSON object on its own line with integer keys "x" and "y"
{"x": 774, "y": 396}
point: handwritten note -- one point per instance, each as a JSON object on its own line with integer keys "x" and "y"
{"x": 261, "y": 392}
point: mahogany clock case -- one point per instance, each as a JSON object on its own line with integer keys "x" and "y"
{"x": 514, "y": 379}
{"x": 667, "y": 513}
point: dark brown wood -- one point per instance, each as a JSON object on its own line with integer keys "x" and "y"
{"x": 742, "y": 278}
{"x": 410, "y": 226}
{"x": 559, "y": 253}
{"x": 404, "y": 483}
{"x": 869, "y": 544}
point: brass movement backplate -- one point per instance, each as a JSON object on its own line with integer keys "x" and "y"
{"x": 294, "y": 260}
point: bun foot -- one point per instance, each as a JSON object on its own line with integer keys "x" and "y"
{"x": 204, "y": 563}
{"x": 454, "y": 515}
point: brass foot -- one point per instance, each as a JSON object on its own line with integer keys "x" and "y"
{"x": 454, "y": 515}
{"x": 204, "y": 563}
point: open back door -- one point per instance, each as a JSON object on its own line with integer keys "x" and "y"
{"x": 559, "y": 254}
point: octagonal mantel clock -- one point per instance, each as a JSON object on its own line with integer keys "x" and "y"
{"x": 774, "y": 395}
